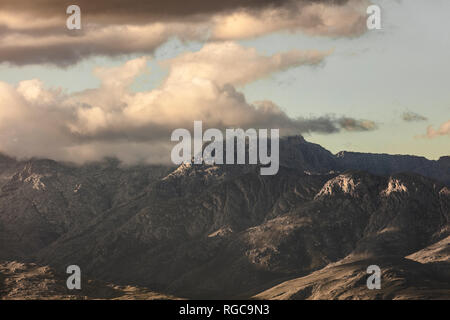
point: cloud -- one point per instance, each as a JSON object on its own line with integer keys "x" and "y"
{"x": 200, "y": 85}
{"x": 228, "y": 62}
{"x": 444, "y": 129}
{"x": 112, "y": 120}
{"x": 350, "y": 124}
{"x": 412, "y": 117}
{"x": 33, "y": 32}
{"x": 141, "y": 11}
{"x": 314, "y": 18}
{"x": 64, "y": 48}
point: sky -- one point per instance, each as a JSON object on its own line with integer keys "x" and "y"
{"x": 135, "y": 72}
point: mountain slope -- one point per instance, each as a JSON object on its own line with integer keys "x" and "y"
{"x": 40, "y": 200}
{"x": 424, "y": 274}
{"x": 401, "y": 279}
{"x": 253, "y": 230}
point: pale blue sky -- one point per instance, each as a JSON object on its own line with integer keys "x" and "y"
{"x": 403, "y": 67}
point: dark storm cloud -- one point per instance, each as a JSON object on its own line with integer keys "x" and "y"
{"x": 133, "y": 11}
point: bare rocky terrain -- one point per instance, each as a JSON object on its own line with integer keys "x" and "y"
{"x": 202, "y": 231}
{"x": 20, "y": 281}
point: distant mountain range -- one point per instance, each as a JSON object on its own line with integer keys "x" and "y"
{"x": 200, "y": 231}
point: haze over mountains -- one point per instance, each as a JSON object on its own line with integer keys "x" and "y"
{"x": 200, "y": 231}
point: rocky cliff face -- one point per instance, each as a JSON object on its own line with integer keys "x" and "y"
{"x": 223, "y": 231}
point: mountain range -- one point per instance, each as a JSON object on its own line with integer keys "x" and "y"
{"x": 225, "y": 231}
